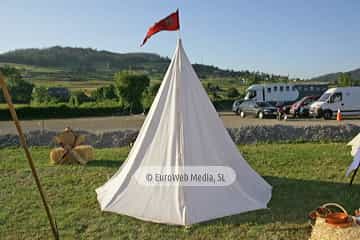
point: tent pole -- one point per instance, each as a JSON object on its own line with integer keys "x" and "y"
{"x": 354, "y": 174}
{"x": 22, "y": 139}
{"x": 179, "y": 36}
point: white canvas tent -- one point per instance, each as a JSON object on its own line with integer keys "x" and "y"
{"x": 355, "y": 144}
{"x": 182, "y": 130}
{"x": 355, "y": 152}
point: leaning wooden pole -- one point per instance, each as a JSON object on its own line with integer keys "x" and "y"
{"x": 7, "y": 98}
{"x": 354, "y": 174}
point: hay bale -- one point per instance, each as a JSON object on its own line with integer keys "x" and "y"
{"x": 83, "y": 153}
{"x": 80, "y": 154}
{"x": 56, "y": 155}
{"x": 323, "y": 231}
{"x": 71, "y": 151}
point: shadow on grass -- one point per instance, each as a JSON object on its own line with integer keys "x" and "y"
{"x": 293, "y": 199}
{"x": 105, "y": 163}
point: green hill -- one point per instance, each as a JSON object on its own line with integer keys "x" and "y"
{"x": 333, "y": 77}
{"x": 71, "y": 64}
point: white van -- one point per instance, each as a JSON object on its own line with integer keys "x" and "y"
{"x": 283, "y": 92}
{"x": 347, "y": 99}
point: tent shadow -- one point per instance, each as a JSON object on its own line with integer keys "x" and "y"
{"x": 105, "y": 163}
{"x": 293, "y": 199}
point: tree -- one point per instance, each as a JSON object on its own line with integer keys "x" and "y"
{"x": 11, "y": 72}
{"x": 19, "y": 89}
{"x": 40, "y": 95}
{"x": 345, "y": 80}
{"x": 149, "y": 95}
{"x": 153, "y": 89}
{"x": 232, "y": 92}
{"x": 130, "y": 88}
{"x": 252, "y": 79}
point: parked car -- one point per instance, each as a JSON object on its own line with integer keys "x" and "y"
{"x": 345, "y": 99}
{"x": 282, "y": 110}
{"x": 235, "y": 106}
{"x": 283, "y": 107}
{"x": 301, "y": 108}
{"x": 260, "y": 109}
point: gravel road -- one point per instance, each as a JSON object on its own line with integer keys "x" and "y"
{"x": 105, "y": 124}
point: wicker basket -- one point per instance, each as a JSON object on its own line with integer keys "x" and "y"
{"x": 324, "y": 231}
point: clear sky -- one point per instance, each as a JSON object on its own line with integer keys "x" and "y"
{"x": 302, "y": 38}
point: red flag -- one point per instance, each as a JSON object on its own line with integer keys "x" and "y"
{"x": 170, "y": 23}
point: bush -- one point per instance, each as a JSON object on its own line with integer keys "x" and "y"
{"x": 78, "y": 97}
{"x": 104, "y": 93}
{"x": 40, "y": 95}
{"x": 223, "y": 105}
{"x": 232, "y": 92}
{"x": 66, "y": 111}
{"x": 87, "y": 109}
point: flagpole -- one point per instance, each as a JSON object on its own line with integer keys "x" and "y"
{"x": 22, "y": 139}
{"x": 178, "y": 14}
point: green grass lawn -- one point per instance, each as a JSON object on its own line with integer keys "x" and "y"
{"x": 303, "y": 177}
{"x": 31, "y": 68}
{"x": 73, "y": 85}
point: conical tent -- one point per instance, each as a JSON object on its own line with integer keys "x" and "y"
{"x": 183, "y": 130}
{"x": 355, "y": 144}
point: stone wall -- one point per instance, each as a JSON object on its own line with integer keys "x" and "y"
{"x": 286, "y": 133}
{"x": 244, "y": 135}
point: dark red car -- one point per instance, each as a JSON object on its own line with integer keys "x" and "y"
{"x": 301, "y": 107}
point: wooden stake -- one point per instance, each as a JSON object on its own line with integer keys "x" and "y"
{"x": 354, "y": 174}
{"x": 7, "y": 98}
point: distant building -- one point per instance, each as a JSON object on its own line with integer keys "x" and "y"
{"x": 60, "y": 93}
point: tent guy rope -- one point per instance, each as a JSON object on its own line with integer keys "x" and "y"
{"x": 22, "y": 139}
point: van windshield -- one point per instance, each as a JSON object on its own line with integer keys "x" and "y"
{"x": 324, "y": 97}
